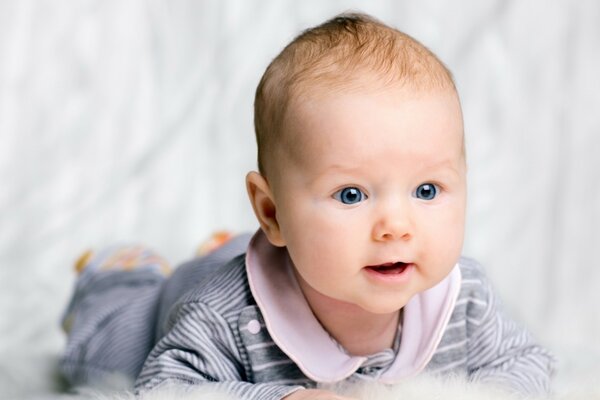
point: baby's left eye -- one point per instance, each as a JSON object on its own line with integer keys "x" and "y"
{"x": 426, "y": 191}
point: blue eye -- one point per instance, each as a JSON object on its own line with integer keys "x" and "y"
{"x": 350, "y": 195}
{"x": 426, "y": 191}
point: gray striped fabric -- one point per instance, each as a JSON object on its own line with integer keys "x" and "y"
{"x": 196, "y": 328}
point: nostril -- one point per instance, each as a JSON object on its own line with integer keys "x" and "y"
{"x": 388, "y": 236}
{"x": 387, "y": 230}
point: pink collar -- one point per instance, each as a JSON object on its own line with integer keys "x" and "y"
{"x": 299, "y": 335}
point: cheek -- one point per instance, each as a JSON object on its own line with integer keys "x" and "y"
{"x": 317, "y": 237}
{"x": 310, "y": 218}
{"x": 444, "y": 233}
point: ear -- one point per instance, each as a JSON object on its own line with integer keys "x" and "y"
{"x": 264, "y": 207}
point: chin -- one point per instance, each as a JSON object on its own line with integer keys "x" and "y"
{"x": 384, "y": 308}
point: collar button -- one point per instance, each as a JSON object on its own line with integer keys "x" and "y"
{"x": 253, "y": 327}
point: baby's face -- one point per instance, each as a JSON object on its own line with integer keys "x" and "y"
{"x": 370, "y": 199}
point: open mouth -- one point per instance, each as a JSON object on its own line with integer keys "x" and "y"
{"x": 389, "y": 268}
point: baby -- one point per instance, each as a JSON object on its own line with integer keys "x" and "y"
{"x": 356, "y": 271}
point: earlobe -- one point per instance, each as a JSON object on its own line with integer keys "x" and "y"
{"x": 264, "y": 207}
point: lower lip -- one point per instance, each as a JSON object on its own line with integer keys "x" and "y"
{"x": 394, "y": 276}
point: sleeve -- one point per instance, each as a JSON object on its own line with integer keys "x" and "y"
{"x": 502, "y": 352}
{"x": 200, "y": 349}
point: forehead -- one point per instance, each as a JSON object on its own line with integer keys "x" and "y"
{"x": 367, "y": 126}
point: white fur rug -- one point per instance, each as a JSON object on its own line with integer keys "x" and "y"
{"x": 421, "y": 388}
{"x": 37, "y": 378}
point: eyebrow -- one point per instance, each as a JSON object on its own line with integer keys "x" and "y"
{"x": 443, "y": 164}
{"x": 437, "y": 165}
{"x": 344, "y": 168}
{"x": 449, "y": 170}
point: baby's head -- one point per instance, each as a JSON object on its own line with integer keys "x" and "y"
{"x": 361, "y": 161}
{"x": 352, "y": 52}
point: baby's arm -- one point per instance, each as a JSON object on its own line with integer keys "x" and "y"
{"x": 500, "y": 351}
{"x": 200, "y": 349}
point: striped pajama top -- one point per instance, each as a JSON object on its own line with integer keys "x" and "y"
{"x": 227, "y": 332}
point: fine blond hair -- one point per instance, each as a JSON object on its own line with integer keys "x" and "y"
{"x": 334, "y": 56}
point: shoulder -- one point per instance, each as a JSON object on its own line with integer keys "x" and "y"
{"x": 474, "y": 281}
{"x": 224, "y": 290}
{"x": 471, "y": 271}
{"x": 470, "y": 309}
{"x": 476, "y": 297}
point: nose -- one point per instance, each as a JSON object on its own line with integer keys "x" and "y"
{"x": 393, "y": 222}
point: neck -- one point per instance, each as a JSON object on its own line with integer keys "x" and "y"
{"x": 360, "y": 332}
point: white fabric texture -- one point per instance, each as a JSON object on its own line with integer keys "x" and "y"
{"x": 131, "y": 121}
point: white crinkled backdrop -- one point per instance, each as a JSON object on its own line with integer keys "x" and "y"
{"x": 131, "y": 120}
